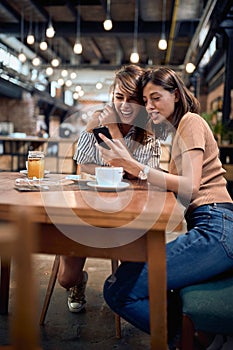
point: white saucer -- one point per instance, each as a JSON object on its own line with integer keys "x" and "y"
{"x": 82, "y": 178}
{"x": 121, "y": 186}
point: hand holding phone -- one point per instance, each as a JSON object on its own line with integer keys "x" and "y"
{"x": 102, "y": 130}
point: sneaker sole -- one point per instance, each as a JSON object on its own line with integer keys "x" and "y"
{"x": 76, "y": 310}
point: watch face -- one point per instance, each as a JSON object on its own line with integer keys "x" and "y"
{"x": 142, "y": 175}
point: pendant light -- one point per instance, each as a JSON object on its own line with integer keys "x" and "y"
{"x": 55, "y": 62}
{"x": 190, "y": 67}
{"x": 49, "y": 71}
{"x": 134, "y": 57}
{"x": 108, "y": 22}
{"x": 78, "y": 46}
{"x": 22, "y": 57}
{"x": 30, "y": 36}
{"x": 43, "y": 44}
{"x": 36, "y": 60}
{"x": 162, "y": 45}
{"x": 50, "y": 31}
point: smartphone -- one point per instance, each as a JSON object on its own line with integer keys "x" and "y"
{"x": 102, "y": 130}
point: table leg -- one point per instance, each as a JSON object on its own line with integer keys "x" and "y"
{"x": 4, "y": 285}
{"x": 157, "y": 289}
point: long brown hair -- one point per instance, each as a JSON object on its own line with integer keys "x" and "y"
{"x": 128, "y": 78}
{"x": 170, "y": 81}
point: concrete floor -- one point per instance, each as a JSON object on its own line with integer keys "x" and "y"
{"x": 92, "y": 329}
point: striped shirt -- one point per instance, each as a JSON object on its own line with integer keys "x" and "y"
{"x": 87, "y": 153}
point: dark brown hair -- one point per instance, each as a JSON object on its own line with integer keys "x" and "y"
{"x": 170, "y": 81}
{"x": 128, "y": 78}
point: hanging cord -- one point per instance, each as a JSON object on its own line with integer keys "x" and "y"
{"x": 136, "y": 27}
{"x": 22, "y": 26}
{"x": 164, "y": 17}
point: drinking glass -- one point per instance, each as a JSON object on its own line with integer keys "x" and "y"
{"x": 36, "y": 164}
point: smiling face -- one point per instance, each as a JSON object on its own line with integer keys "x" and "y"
{"x": 127, "y": 106}
{"x": 159, "y": 103}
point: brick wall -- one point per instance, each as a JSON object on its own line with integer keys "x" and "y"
{"x": 213, "y": 95}
{"x": 20, "y": 112}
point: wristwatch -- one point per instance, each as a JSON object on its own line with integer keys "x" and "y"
{"x": 143, "y": 174}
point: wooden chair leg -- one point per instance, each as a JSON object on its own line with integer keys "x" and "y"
{"x": 115, "y": 264}
{"x": 50, "y": 289}
{"x": 188, "y": 332}
{"x": 5, "y": 285}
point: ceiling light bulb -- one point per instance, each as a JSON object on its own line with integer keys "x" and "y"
{"x": 22, "y": 57}
{"x": 50, "y": 32}
{"x": 162, "y": 45}
{"x": 61, "y": 81}
{"x": 78, "y": 48}
{"x": 134, "y": 57}
{"x": 107, "y": 24}
{"x": 78, "y": 88}
{"x": 36, "y": 61}
{"x": 49, "y": 70}
{"x": 43, "y": 45}
{"x": 55, "y": 62}
{"x": 64, "y": 73}
{"x": 68, "y": 83}
{"x": 73, "y": 75}
{"x": 190, "y": 67}
{"x": 30, "y": 39}
{"x": 99, "y": 86}
{"x": 75, "y": 96}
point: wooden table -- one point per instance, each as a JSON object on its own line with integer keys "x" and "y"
{"x": 128, "y": 225}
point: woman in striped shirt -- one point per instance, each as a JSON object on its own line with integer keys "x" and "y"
{"x": 127, "y": 120}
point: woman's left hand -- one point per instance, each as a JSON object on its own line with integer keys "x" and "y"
{"x": 118, "y": 155}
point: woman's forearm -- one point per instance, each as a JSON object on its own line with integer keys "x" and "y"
{"x": 168, "y": 182}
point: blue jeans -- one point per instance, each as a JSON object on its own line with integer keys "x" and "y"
{"x": 206, "y": 250}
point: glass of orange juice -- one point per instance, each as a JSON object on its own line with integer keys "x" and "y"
{"x": 36, "y": 164}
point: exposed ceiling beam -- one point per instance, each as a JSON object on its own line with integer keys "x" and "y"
{"x": 10, "y": 10}
{"x": 91, "y": 28}
{"x": 172, "y": 31}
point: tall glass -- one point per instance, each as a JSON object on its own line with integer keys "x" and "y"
{"x": 35, "y": 164}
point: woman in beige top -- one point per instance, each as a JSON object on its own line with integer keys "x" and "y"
{"x": 196, "y": 177}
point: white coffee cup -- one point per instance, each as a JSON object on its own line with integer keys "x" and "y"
{"x": 108, "y": 176}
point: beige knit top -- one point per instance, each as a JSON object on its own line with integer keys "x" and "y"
{"x": 194, "y": 133}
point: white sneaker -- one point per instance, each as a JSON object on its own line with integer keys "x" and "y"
{"x": 76, "y": 299}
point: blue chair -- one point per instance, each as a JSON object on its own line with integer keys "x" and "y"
{"x": 207, "y": 309}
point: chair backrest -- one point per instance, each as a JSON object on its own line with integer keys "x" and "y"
{"x": 17, "y": 241}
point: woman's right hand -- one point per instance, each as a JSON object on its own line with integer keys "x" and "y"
{"x": 93, "y": 122}
{"x": 108, "y": 116}
{"x": 105, "y": 117}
